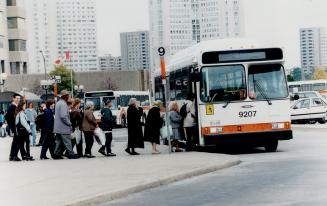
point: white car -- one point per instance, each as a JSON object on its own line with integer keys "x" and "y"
{"x": 309, "y": 110}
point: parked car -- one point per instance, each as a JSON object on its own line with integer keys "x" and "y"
{"x": 307, "y": 94}
{"x": 309, "y": 110}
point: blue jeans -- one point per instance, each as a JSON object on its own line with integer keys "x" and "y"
{"x": 33, "y": 128}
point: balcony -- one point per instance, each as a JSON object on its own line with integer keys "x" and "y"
{"x": 17, "y": 34}
{"x": 2, "y": 6}
{"x": 18, "y": 56}
{"x": 16, "y": 11}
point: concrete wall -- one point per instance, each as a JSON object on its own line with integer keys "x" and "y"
{"x": 122, "y": 80}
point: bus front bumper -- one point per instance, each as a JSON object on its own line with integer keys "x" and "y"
{"x": 251, "y": 137}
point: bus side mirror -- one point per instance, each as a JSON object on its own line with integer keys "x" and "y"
{"x": 195, "y": 76}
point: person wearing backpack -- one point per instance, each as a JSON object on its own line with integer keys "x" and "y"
{"x": 189, "y": 121}
{"x": 107, "y": 123}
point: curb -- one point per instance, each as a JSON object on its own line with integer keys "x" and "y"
{"x": 308, "y": 126}
{"x": 107, "y": 197}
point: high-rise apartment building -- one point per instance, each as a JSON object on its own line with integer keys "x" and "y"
{"x": 178, "y": 24}
{"x": 13, "y": 37}
{"x": 313, "y": 43}
{"x": 59, "y": 27}
{"x": 109, "y": 62}
{"x": 41, "y": 24}
{"x": 135, "y": 50}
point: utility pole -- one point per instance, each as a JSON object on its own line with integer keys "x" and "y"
{"x": 45, "y": 73}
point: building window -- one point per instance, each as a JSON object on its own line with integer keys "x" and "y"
{"x": 17, "y": 45}
{"x": 14, "y": 67}
{"x": 16, "y": 22}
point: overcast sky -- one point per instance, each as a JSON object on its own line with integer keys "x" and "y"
{"x": 277, "y": 21}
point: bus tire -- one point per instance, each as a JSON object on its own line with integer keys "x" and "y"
{"x": 271, "y": 146}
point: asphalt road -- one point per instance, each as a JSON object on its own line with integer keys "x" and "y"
{"x": 295, "y": 175}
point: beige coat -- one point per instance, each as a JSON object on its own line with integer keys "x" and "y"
{"x": 89, "y": 122}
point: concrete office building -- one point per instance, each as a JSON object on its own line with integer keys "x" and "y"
{"x": 178, "y": 24}
{"x": 13, "y": 37}
{"x": 313, "y": 43}
{"x": 109, "y": 62}
{"x": 60, "y": 26}
{"x": 135, "y": 50}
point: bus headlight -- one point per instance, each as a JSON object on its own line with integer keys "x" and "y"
{"x": 278, "y": 125}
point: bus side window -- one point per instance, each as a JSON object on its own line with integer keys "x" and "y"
{"x": 172, "y": 86}
{"x": 178, "y": 85}
{"x": 185, "y": 82}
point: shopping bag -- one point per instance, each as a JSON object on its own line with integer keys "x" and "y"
{"x": 78, "y": 135}
{"x": 164, "y": 132}
{"x": 100, "y": 136}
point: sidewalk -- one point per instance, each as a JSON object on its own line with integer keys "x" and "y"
{"x": 93, "y": 181}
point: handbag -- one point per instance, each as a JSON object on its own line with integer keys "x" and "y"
{"x": 78, "y": 135}
{"x": 19, "y": 127}
{"x": 164, "y": 132}
{"x": 100, "y": 136}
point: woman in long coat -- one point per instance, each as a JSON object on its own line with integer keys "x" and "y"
{"x": 135, "y": 134}
{"x": 152, "y": 126}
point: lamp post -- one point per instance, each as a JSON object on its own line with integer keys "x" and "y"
{"x": 3, "y": 78}
{"x": 79, "y": 90}
{"x": 45, "y": 84}
{"x": 45, "y": 73}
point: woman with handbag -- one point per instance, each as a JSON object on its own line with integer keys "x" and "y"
{"x": 23, "y": 131}
{"x": 88, "y": 126}
{"x": 152, "y": 126}
{"x": 176, "y": 121}
{"x": 76, "y": 118}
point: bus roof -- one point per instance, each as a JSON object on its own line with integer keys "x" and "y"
{"x": 187, "y": 56}
{"x": 118, "y": 93}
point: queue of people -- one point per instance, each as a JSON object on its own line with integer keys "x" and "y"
{"x": 63, "y": 123}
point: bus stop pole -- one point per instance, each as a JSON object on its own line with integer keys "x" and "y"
{"x": 161, "y": 51}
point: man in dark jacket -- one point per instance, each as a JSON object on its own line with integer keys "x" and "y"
{"x": 47, "y": 130}
{"x": 107, "y": 123}
{"x": 10, "y": 118}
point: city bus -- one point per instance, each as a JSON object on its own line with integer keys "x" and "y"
{"x": 120, "y": 100}
{"x": 309, "y": 85}
{"x": 241, "y": 92}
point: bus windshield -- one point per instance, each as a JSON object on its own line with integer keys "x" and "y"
{"x": 223, "y": 83}
{"x": 267, "y": 82}
{"x": 96, "y": 101}
{"x": 113, "y": 102}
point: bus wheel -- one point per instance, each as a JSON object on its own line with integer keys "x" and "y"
{"x": 271, "y": 146}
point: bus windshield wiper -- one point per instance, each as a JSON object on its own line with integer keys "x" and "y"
{"x": 228, "y": 102}
{"x": 262, "y": 92}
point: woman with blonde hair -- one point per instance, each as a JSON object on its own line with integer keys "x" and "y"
{"x": 176, "y": 121}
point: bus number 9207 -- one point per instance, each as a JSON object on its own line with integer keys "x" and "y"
{"x": 246, "y": 114}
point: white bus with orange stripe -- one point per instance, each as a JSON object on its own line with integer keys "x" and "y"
{"x": 240, "y": 88}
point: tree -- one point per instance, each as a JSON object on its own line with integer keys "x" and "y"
{"x": 36, "y": 88}
{"x": 110, "y": 85}
{"x": 319, "y": 74}
{"x": 290, "y": 78}
{"x": 65, "y": 75}
{"x": 296, "y": 73}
